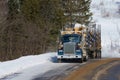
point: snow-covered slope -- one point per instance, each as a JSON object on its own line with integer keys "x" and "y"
{"x": 105, "y": 13}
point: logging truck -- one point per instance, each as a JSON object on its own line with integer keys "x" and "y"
{"x": 79, "y": 42}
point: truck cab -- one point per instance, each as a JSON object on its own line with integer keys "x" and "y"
{"x": 70, "y": 45}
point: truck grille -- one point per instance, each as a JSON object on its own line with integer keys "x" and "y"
{"x": 69, "y": 48}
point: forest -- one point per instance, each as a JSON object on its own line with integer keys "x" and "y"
{"x": 31, "y": 27}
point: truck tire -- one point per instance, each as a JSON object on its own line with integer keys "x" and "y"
{"x": 85, "y": 59}
{"x": 99, "y": 54}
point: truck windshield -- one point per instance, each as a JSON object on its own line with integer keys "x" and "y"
{"x": 71, "y": 38}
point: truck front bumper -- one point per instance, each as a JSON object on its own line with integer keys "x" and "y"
{"x": 69, "y": 56}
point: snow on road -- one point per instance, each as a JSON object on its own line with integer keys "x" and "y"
{"x": 32, "y": 72}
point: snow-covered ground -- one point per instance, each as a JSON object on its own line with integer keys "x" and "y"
{"x": 17, "y": 65}
{"x": 41, "y": 64}
{"x": 104, "y": 13}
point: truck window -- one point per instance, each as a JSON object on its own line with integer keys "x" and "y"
{"x": 71, "y": 38}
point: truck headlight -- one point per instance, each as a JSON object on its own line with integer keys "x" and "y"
{"x": 78, "y": 52}
{"x": 60, "y": 52}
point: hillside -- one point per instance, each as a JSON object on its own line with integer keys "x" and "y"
{"x": 106, "y": 14}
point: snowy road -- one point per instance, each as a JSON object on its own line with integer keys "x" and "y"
{"x": 62, "y": 72}
{"x": 50, "y": 71}
{"x": 59, "y": 73}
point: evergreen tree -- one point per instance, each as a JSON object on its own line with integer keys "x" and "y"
{"x": 48, "y": 17}
{"x": 33, "y": 25}
{"x": 13, "y": 6}
{"x": 77, "y": 11}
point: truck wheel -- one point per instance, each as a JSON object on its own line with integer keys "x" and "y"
{"x": 100, "y": 54}
{"x": 85, "y": 59}
{"x": 95, "y": 55}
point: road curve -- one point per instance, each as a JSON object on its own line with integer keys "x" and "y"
{"x": 62, "y": 72}
{"x": 112, "y": 73}
{"x": 105, "y": 69}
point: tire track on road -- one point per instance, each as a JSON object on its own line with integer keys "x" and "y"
{"x": 88, "y": 71}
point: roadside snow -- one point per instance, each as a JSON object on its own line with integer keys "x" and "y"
{"x": 36, "y": 71}
{"x": 28, "y": 67}
{"x": 13, "y": 66}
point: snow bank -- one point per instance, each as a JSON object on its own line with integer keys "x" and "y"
{"x": 13, "y": 66}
